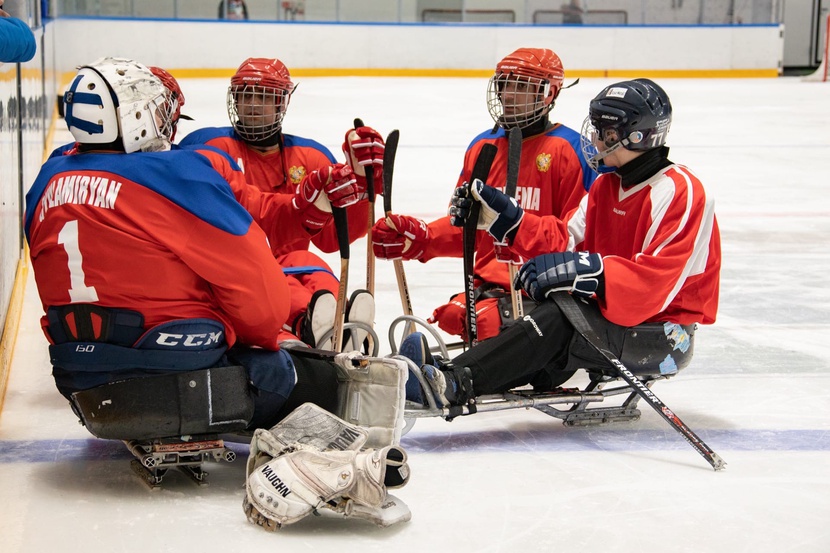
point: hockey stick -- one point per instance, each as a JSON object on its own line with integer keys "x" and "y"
{"x": 388, "y": 172}
{"x": 514, "y": 158}
{"x": 567, "y": 304}
{"x": 468, "y": 239}
{"x": 370, "y": 192}
{"x": 341, "y": 224}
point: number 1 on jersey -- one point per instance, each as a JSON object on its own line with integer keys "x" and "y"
{"x": 79, "y": 292}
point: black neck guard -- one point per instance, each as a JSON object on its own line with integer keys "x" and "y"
{"x": 647, "y": 165}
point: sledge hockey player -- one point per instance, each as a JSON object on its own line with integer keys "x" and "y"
{"x": 151, "y": 273}
{"x": 553, "y": 177}
{"x": 640, "y": 256}
{"x": 257, "y": 102}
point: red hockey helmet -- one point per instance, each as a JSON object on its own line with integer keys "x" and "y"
{"x": 258, "y": 98}
{"x": 524, "y": 87}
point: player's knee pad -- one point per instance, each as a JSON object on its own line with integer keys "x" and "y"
{"x": 371, "y": 393}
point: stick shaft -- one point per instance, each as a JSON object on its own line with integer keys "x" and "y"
{"x": 514, "y": 159}
{"x": 341, "y": 224}
{"x": 370, "y": 221}
{"x": 388, "y": 172}
{"x": 480, "y": 171}
{"x": 569, "y": 308}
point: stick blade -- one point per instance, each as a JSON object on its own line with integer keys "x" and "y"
{"x": 389, "y": 168}
{"x": 514, "y": 158}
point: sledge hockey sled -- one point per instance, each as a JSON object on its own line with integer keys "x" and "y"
{"x": 171, "y": 420}
{"x": 372, "y": 346}
{"x": 574, "y": 406}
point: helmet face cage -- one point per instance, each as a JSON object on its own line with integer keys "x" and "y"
{"x": 517, "y": 101}
{"x": 591, "y": 135}
{"x": 172, "y": 108}
{"x": 256, "y": 112}
{"x": 168, "y": 116}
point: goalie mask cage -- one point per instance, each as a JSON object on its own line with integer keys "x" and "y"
{"x": 820, "y": 74}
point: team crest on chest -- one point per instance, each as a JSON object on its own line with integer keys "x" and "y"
{"x": 543, "y": 162}
{"x": 296, "y": 174}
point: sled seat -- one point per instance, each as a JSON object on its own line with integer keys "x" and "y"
{"x": 171, "y": 420}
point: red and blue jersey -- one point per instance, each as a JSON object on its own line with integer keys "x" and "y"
{"x": 553, "y": 178}
{"x": 279, "y": 172}
{"x": 159, "y": 233}
{"x": 273, "y": 212}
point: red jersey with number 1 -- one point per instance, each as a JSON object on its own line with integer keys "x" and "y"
{"x": 159, "y": 233}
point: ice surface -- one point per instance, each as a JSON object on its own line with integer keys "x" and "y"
{"x": 758, "y": 390}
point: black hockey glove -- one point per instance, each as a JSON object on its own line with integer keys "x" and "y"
{"x": 577, "y": 272}
{"x": 500, "y": 214}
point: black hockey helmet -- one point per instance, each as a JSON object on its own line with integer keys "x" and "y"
{"x": 638, "y": 110}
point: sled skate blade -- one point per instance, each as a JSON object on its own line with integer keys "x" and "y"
{"x": 154, "y": 458}
{"x": 591, "y": 417}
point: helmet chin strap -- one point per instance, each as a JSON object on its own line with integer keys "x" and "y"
{"x": 596, "y": 159}
{"x": 599, "y": 156}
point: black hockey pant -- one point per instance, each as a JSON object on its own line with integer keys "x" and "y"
{"x": 541, "y": 349}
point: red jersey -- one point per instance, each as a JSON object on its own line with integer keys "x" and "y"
{"x": 659, "y": 242}
{"x": 280, "y": 172}
{"x": 159, "y": 233}
{"x": 553, "y": 177}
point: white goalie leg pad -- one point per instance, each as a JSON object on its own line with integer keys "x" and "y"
{"x": 288, "y": 488}
{"x": 371, "y": 394}
{"x": 307, "y": 426}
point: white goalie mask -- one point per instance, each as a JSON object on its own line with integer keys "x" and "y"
{"x": 118, "y": 98}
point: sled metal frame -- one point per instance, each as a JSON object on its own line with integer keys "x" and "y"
{"x": 573, "y": 406}
{"x": 153, "y": 458}
{"x": 374, "y": 344}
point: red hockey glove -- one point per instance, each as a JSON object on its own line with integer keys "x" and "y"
{"x": 321, "y": 189}
{"x": 505, "y": 255}
{"x": 399, "y": 237}
{"x": 364, "y": 148}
